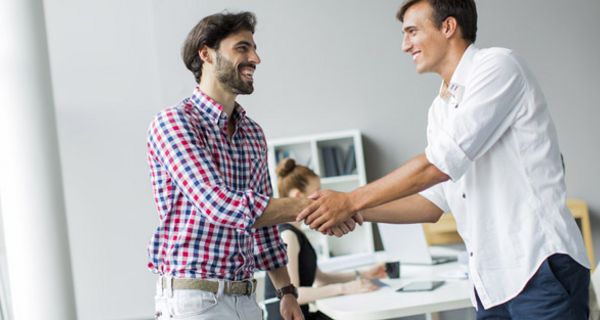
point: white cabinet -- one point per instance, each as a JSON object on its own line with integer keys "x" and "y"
{"x": 337, "y": 157}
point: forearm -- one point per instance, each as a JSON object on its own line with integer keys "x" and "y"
{"x": 411, "y": 209}
{"x": 327, "y": 278}
{"x": 310, "y": 294}
{"x": 414, "y": 176}
{"x": 280, "y": 211}
{"x": 279, "y": 277}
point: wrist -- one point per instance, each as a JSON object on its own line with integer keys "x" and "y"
{"x": 289, "y": 290}
{"x": 354, "y": 197}
{"x": 342, "y": 290}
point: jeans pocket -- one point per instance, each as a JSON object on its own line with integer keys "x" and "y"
{"x": 552, "y": 283}
{"x": 189, "y": 303}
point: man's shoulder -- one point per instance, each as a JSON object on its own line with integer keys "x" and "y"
{"x": 495, "y": 55}
{"x": 180, "y": 110}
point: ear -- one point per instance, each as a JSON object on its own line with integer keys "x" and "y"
{"x": 295, "y": 193}
{"x": 450, "y": 27}
{"x": 205, "y": 54}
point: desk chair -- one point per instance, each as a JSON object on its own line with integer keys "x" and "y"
{"x": 595, "y": 295}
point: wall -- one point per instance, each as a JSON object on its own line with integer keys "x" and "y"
{"x": 327, "y": 65}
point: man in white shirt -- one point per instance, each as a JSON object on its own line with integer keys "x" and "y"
{"x": 492, "y": 160}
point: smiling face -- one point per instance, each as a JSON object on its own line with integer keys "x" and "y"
{"x": 236, "y": 60}
{"x": 423, "y": 40}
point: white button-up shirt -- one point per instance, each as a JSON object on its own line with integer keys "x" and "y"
{"x": 492, "y": 133}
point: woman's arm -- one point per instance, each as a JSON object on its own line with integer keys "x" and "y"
{"x": 310, "y": 294}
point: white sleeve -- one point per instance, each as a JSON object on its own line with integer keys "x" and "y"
{"x": 492, "y": 95}
{"x": 436, "y": 195}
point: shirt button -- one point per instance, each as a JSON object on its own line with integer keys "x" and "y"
{"x": 464, "y": 196}
{"x": 471, "y": 253}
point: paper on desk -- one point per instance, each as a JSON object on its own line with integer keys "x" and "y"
{"x": 454, "y": 274}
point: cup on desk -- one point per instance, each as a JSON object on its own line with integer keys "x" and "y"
{"x": 392, "y": 268}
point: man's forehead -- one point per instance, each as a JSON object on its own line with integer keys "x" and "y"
{"x": 242, "y": 36}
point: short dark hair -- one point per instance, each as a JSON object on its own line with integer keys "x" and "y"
{"x": 209, "y": 32}
{"x": 464, "y": 11}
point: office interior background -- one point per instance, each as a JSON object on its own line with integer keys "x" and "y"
{"x": 326, "y": 66}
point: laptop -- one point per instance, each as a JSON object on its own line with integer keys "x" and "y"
{"x": 407, "y": 243}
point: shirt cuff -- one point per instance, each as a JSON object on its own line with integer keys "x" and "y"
{"x": 271, "y": 258}
{"x": 447, "y": 156}
{"x": 254, "y": 209}
{"x": 433, "y": 194}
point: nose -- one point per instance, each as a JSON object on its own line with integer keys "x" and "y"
{"x": 254, "y": 58}
{"x": 406, "y": 44}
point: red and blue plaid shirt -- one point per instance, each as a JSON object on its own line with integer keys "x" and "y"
{"x": 209, "y": 191}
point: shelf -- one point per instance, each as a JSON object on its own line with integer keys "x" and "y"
{"x": 340, "y": 179}
{"x": 337, "y": 157}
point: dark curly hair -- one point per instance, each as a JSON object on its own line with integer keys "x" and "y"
{"x": 209, "y": 32}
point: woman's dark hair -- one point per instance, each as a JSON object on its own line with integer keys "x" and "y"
{"x": 209, "y": 32}
{"x": 464, "y": 11}
{"x": 292, "y": 176}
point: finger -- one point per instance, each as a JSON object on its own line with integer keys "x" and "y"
{"x": 307, "y": 211}
{"x": 337, "y": 232}
{"x": 344, "y": 228}
{"x": 350, "y": 224}
{"x": 325, "y": 224}
{"x": 318, "y": 222}
{"x": 358, "y": 218}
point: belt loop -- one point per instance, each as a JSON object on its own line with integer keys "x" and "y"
{"x": 169, "y": 288}
{"x": 221, "y": 288}
{"x": 250, "y": 287}
{"x": 159, "y": 286}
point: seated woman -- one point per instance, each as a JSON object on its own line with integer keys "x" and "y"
{"x": 299, "y": 181}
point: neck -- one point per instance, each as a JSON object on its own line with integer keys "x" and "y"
{"x": 216, "y": 90}
{"x": 455, "y": 53}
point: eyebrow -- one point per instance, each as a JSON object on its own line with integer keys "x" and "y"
{"x": 408, "y": 28}
{"x": 247, "y": 43}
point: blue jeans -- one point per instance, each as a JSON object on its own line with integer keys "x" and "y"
{"x": 558, "y": 290}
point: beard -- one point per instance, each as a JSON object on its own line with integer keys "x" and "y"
{"x": 231, "y": 77}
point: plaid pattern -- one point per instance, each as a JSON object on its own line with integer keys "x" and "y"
{"x": 209, "y": 191}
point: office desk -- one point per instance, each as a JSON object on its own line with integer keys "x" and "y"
{"x": 385, "y": 303}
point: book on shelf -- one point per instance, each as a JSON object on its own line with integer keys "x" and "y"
{"x": 350, "y": 161}
{"x": 329, "y": 161}
{"x": 336, "y": 162}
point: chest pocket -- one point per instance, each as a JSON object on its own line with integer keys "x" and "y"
{"x": 254, "y": 166}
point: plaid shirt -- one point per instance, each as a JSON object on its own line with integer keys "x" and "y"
{"x": 209, "y": 191}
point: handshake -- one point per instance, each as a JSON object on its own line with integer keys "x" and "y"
{"x": 331, "y": 213}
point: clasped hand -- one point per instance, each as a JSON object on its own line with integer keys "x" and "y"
{"x": 330, "y": 213}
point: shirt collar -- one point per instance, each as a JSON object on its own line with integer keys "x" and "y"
{"x": 456, "y": 87}
{"x": 213, "y": 109}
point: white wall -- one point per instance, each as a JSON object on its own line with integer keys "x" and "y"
{"x": 327, "y": 65}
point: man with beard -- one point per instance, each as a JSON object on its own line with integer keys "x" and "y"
{"x": 211, "y": 186}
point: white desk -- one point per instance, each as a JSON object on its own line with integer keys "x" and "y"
{"x": 385, "y": 303}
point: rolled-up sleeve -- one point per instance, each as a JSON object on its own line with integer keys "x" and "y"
{"x": 493, "y": 93}
{"x": 269, "y": 251}
{"x": 436, "y": 195}
{"x": 172, "y": 140}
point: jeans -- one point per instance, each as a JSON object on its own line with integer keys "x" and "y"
{"x": 203, "y": 305}
{"x": 558, "y": 290}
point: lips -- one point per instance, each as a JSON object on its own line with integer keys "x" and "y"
{"x": 247, "y": 71}
{"x": 415, "y": 55}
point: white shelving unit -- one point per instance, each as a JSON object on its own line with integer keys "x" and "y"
{"x": 337, "y": 157}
